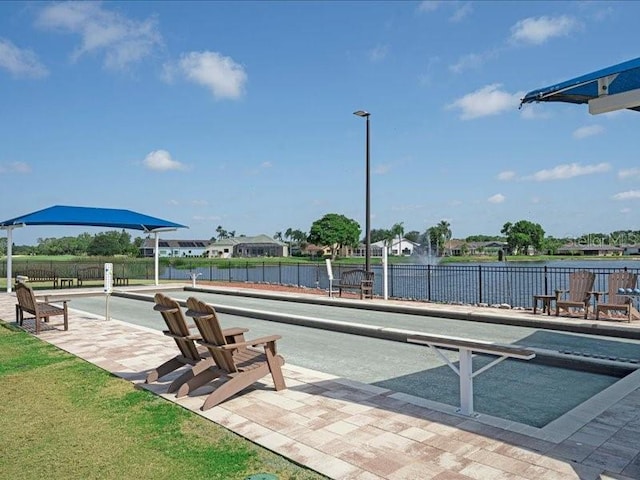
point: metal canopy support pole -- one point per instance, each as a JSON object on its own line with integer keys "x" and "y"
{"x": 156, "y": 254}
{"x": 9, "y": 255}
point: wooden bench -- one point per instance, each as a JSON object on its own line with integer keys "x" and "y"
{"x": 27, "y": 303}
{"x": 39, "y": 275}
{"x": 89, "y": 273}
{"x": 466, "y": 347}
{"x": 357, "y": 279}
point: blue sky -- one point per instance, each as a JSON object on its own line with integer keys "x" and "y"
{"x": 240, "y": 114}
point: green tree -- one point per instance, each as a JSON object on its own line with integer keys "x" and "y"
{"x": 222, "y": 233}
{"x": 444, "y": 228}
{"x": 106, "y": 244}
{"x": 413, "y": 236}
{"x": 335, "y": 231}
{"x": 522, "y": 234}
{"x": 379, "y": 234}
{"x": 397, "y": 231}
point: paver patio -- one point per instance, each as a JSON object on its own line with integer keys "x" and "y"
{"x": 350, "y": 430}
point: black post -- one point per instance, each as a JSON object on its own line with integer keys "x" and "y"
{"x": 367, "y": 235}
{"x": 367, "y": 258}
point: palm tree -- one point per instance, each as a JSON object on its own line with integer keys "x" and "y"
{"x": 222, "y": 233}
{"x": 398, "y": 231}
{"x": 277, "y": 236}
{"x": 444, "y": 228}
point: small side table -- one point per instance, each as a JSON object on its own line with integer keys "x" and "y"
{"x": 66, "y": 281}
{"x": 546, "y": 303}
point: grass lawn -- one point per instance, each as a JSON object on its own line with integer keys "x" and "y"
{"x": 63, "y": 417}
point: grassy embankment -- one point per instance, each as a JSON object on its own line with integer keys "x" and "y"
{"x": 65, "y": 418}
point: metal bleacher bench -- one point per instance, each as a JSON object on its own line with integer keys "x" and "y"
{"x": 357, "y": 279}
{"x": 466, "y": 348}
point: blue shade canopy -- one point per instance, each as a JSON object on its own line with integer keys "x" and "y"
{"x": 93, "y": 217}
{"x": 609, "y": 89}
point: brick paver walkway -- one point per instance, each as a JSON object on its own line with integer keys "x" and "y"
{"x": 349, "y": 430}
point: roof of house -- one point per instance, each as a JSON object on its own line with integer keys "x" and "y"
{"x": 150, "y": 243}
{"x": 258, "y": 239}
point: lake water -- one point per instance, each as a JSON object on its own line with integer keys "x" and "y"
{"x": 512, "y": 283}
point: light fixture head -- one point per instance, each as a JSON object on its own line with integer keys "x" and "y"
{"x": 362, "y": 113}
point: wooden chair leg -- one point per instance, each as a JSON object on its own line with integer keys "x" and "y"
{"x": 188, "y": 385}
{"x": 275, "y": 363}
{"x": 234, "y": 385}
{"x": 164, "y": 369}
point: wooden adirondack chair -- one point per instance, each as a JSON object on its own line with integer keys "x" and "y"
{"x": 578, "y": 294}
{"x": 190, "y": 354}
{"x": 238, "y": 364}
{"x": 616, "y": 301}
{"x": 40, "y": 310}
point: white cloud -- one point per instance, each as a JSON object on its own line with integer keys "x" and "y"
{"x": 506, "y": 175}
{"x": 199, "y": 203}
{"x": 625, "y": 210}
{"x": 628, "y": 195}
{"x": 536, "y": 31}
{"x": 16, "y": 167}
{"x": 461, "y": 13}
{"x": 266, "y": 164}
{"x": 629, "y": 173}
{"x": 20, "y": 62}
{"x": 588, "y": 131}
{"x": 173, "y": 202}
{"x": 161, "y": 160}
{"x": 497, "y": 198}
{"x": 222, "y": 75}
{"x": 122, "y": 40}
{"x": 382, "y": 169}
{"x": 378, "y": 53}
{"x": 489, "y": 100}
{"x": 428, "y": 6}
{"x": 566, "y": 171}
{"x": 467, "y": 62}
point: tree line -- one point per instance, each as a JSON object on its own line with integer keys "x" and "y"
{"x": 104, "y": 244}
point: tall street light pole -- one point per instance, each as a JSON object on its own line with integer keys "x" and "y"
{"x": 367, "y": 238}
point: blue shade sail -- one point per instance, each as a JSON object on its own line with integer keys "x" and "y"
{"x": 614, "y": 85}
{"x": 94, "y": 217}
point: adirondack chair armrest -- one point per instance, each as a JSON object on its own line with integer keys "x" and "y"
{"x": 597, "y": 294}
{"x": 187, "y": 337}
{"x": 251, "y": 343}
{"x": 229, "y": 332}
{"x": 560, "y": 292}
{"x": 162, "y": 308}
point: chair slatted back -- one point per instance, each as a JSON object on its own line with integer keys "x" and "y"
{"x": 206, "y": 320}
{"x": 173, "y": 317}
{"x": 580, "y": 284}
{"x": 26, "y": 297}
{"x": 618, "y": 280}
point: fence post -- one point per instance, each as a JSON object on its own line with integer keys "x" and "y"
{"x": 263, "y": 272}
{"x": 279, "y": 273}
{"x": 246, "y": 269}
{"x": 546, "y": 281}
{"x": 479, "y": 283}
{"x": 428, "y": 283}
{"x": 229, "y": 269}
{"x": 298, "y": 264}
{"x": 392, "y": 268}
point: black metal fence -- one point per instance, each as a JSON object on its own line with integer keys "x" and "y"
{"x": 464, "y": 284}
